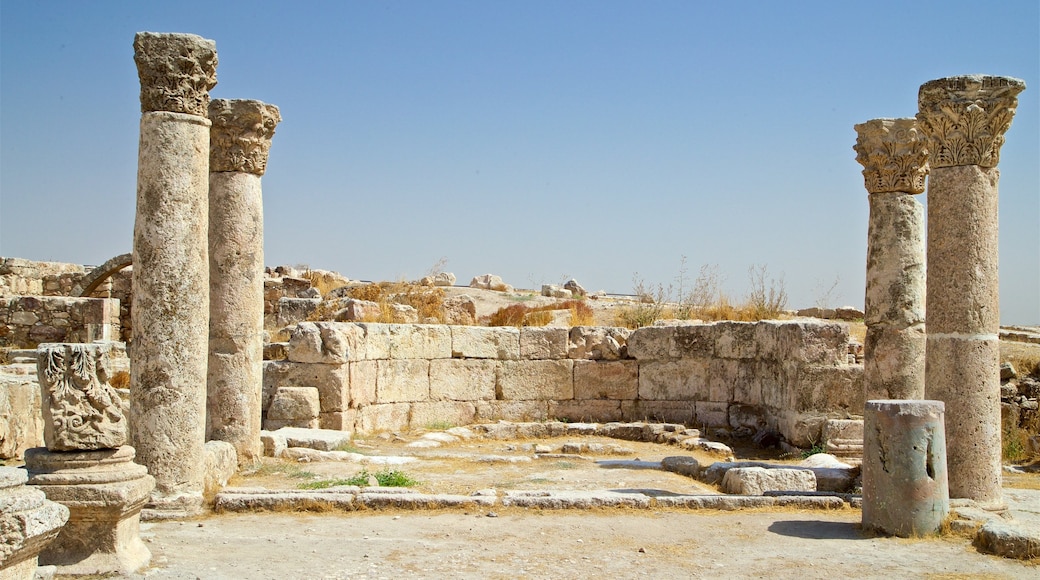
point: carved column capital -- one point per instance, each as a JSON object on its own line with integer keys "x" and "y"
{"x": 965, "y": 118}
{"x": 240, "y": 138}
{"x": 894, "y": 155}
{"x": 176, "y": 71}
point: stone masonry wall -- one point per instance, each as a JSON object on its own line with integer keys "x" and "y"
{"x": 26, "y": 321}
{"x": 788, "y": 377}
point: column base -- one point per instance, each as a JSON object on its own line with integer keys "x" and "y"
{"x": 104, "y": 491}
{"x": 29, "y": 521}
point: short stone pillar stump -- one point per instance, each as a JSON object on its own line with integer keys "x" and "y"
{"x": 104, "y": 491}
{"x": 905, "y": 487}
{"x": 28, "y": 522}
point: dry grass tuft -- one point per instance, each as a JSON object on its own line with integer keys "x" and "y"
{"x": 120, "y": 380}
{"x": 428, "y": 302}
{"x": 581, "y": 314}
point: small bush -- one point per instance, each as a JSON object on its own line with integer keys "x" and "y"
{"x": 522, "y": 315}
{"x": 120, "y": 380}
{"x": 386, "y": 478}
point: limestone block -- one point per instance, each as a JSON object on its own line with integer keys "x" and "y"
{"x": 293, "y": 310}
{"x": 895, "y": 367}
{"x": 812, "y": 342}
{"x": 1020, "y": 540}
{"x": 438, "y": 413}
{"x": 363, "y": 378}
{"x": 747, "y": 380}
{"x": 419, "y": 341}
{"x": 536, "y": 380}
{"x": 682, "y": 464}
{"x": 274, "y": 443}
{"x": 554, "y": 291}
{"x": 723, "y": 375}
{"x": 597, "y": 343}
{"x": 221, "y": 465}
{"x": 736, "y": 340}
{"x": 320, "y": 439}
{"x": 711, "y": 414}
{"x": 293, "y": 407}
{"x": 669, "y": 411}
{"x": 383, "y": 417}
{"x": 460, "y": 310}
{"x": 338, "y": 420}
{"x": 402, "y": 380}
{"x": 696, "y": 340}
{"x": 606, "y": 379}
{"x": 375, "y": 344}
{"x": 543, "y": 342}
{"x": 333, "y": 382}
{"x": 653, "y": 343}
{"x": 500, "y": 342}
{"x": 21, "y": 420}
{"x": 586, "y": 410}
{"x": 28, "y": 523}
{"x": 354, "y": 310}
{"x": 800, "y": 429}
{"x": 321, "y": 342}
{"x": 675, "y": 380}
{"x": 843, "y": 437}
{"x": 490, "y": 282}
{"x": 758, "y": 480}
{"x": 512, "y": 410}
{"x": 463, "y": 380}
{"x": 751, "y": 416}
{"x": 81, "y": 411}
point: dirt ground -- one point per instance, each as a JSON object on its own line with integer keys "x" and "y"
{"x": 530, "y": 543}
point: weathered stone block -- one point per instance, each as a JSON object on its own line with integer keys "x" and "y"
{"x": 600, "y": 410}
{"x": 711, "y": 414}
{"x": 400, "y": 380}
{"x": 512, "y": 410}
{"x": 375, "y": 341}
{"x": 388, "y": 417}
{"x": 653, "y": 343}
{"x": 676, "y": 380}
{"x": 751, "y": 416}
{"x": 695, "y": 340}
{"x": 293, "y": 407}
{"x": 536, "y": 380}
{"x": 597, "y": 343}
{"x": 438, "y": 413}
{"x": 364, "y": 376}
{"x": 331, "y": 381}
{"x": 21, "y": 421}
{"x": 499, "y": 342}
{"x": 338, "y": 420}
{"x": 606, "y": 380}
{"x": 758, "y": 480}
{"x": 736, "y": 340}
{"x": 81, "y": 411}
{"x": 668, "y": 411}
{"x": 823, "y": 343}
{"x": 320, "y": 342}
{"x": 463, "y": 380}
{"x": 419, "y": 341}
{"x": 538, "y": 342}
{"x": 221, "y": 465}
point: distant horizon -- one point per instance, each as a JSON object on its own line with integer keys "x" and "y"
{"x": 539, "y": 141}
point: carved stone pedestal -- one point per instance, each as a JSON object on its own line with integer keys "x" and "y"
{"x": 104, "y": 492}
{"x": 28, "y": 522}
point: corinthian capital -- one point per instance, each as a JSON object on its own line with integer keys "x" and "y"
{"x": 894, "y": 155}
{"x": 240, "y": 138}
{"x": 965, "y": 118}
{"x": 176, "y": 71}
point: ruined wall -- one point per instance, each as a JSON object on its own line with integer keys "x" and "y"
{"x": 20, "y": 277}
{"x": 26, "y": 321}
{"x": 783, "y": 376}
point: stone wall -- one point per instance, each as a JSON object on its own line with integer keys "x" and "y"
{"x": 787, "y": 377}
{"x": 20, "y": 277}
{"x": 26, "y": 321}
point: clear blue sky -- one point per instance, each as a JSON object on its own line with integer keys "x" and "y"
{"x": 536, "y": 140}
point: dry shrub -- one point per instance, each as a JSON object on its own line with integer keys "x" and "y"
{"x": 521, "y": 315}
{"x": 324, "y": 281}
{"x": 427, "y": 301}
{"x": 120, "y": 380}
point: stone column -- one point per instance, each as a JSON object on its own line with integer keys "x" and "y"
{"x": 965, "y": 119}
{"x": 905, "y": 490}
{"x": 170, "y": 314}
{"x": 895, "y": 161}
{"x": 239, "y": 143}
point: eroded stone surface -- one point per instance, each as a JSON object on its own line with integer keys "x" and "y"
{"x": 81, "y": 411}
{"x": 240, "y": 139}
{"x": 176, "y": 72}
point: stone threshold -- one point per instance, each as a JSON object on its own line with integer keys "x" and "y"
{"x": 352, "y": 498}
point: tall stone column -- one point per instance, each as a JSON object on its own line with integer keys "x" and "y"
{"x": 965, "y": 119}
{"x": 895, "y": 161}
{"x": 239, "y": 143}
{"x": 170, "y": 315}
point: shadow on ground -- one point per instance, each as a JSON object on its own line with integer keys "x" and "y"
{"x": 817, "y": 530}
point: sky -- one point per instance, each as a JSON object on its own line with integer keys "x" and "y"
{"x": 606, "y": 141}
